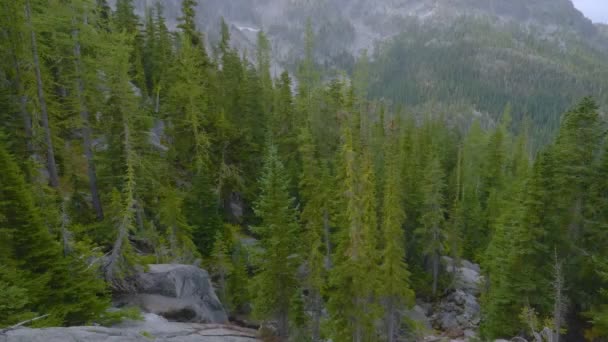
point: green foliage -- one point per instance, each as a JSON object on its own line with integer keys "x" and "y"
{"x": 274, "y": 282}
{"x": 172, "y": 141}
{"x": 432, "y": 63}
{"x": 115, "y": 316}
{"x": 44, "y": 281}
{"x": 432, "y": 222}
{"x": 201, "y": 211}
{"x": 13, "y": 298}
{"x": 394, "y": 276}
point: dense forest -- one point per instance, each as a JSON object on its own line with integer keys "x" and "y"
{"x": 125, "y": 144}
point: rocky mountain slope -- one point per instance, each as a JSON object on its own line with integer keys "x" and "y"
{"x": 467, "y": 56}
{"x": 353, "y": 25}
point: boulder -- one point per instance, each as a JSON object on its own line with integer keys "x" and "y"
{"x": 418, "y": 314}
{"x": 467, "y": 275}
{"x": 181, "y": 293}
{"x": 458, "y": 312}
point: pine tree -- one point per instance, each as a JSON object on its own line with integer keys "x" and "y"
{"x": 393, "y": 274}
{"x": 202, "y": 213}
{"x": 263, "y": 57}
{"x": 189, "y": 101}
{"x": 222, "y": 265}
{"x": 314, "y": 194}
{"x": 274, "y": 282}
{"x": 84, "y": 107}
{"x": 126, "y": 126}
{"x": 179, "y": 232}
{"x": 50, "y": 283}
{"x": 187, "y": 23}
{"x": 353, "y": 304}
{"x": 42, "y": 98}
{"x": 432, "y": 229}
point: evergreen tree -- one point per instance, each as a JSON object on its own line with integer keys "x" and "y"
{"x": 393, "y": 275}
{"x": 187, "y": 23}
{"x": 353, "y": 302}
{"x": 49, "y": 282}
{"x": 432, "y": 221}
{"x": 314, "y": 194}
{"x": 202, "y": 213}
{"x": 275, "y": 283}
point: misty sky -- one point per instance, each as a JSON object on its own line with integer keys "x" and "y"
{"x": 596, "y": 10}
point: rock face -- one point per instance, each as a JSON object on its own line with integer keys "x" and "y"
{"x": 353, "y": 25}
{"x": 154, "y": 328}
{"x": 458, "y": 313}
{"x": 182, "y": 293}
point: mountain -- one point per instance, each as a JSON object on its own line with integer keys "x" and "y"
{"x": 473, "y": 57}
{"x": 353, "y": 25}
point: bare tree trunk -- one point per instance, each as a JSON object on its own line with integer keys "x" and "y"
{"x": 316, "y": 316}
{"x": 123, "y": 229}
{"x": 157, "y": 104}
{"x": 51, "y": 164}
{"x": 65, "y": 233}
{"x": 86, "y": 131}
{"x": 283, "y": 325}
{"x": 435, "y": 271}
{"x": 390, "y": 315}
{"x": 559, "y": 305}
{"x": 222, "y": 284}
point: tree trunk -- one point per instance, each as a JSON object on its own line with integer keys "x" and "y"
{"x": 51, "y": 164}
{"x": 283, "y": 325}
{"x": 86, "y": 131}
{"x": 435, "y": 271}
{"x": 316, "y": 316}
{"x": 65, "y": 233}
{"x": 123, "y": 229}
{"x": 157, "y": 104}
{"x": 390, "y": 314}
{"x": 559, "y": 304}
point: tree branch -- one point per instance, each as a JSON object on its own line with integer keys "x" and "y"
{"x": 22, "y": 324}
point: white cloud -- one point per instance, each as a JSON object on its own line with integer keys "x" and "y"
{"x": 596, "y": 10}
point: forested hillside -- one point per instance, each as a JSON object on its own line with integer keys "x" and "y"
{"x": 314, "y": 208}
{"x": 466, "y": 57}
{"x": 475, "y": 65}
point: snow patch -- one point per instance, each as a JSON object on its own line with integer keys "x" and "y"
{"x": 247, "y": 28}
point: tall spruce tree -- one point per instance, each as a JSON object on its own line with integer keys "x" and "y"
{"x": 51, "y": 283}
{"x": 432, "y": 221}
{"x": 274, "y": 282}
{"x": 395, "y": 290}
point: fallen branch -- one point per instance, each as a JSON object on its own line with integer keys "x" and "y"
{"x": 22, "y": 324}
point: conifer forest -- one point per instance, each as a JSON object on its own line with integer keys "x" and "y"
{"x": 323, "y": 198}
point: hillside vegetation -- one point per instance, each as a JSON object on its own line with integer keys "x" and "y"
{"x": 319, "y": 207}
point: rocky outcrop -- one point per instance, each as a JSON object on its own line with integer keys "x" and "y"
{"x": 181, "y": 293}
{"x": 154, "y": 328}
{"x": 457, "y": 315}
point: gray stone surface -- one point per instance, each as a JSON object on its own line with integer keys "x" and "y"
{"x": 457, "y": 315}
{"x": 182, "y": 293}
{"x": 418, "y": 314}
{"x": 154, "y": 328}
